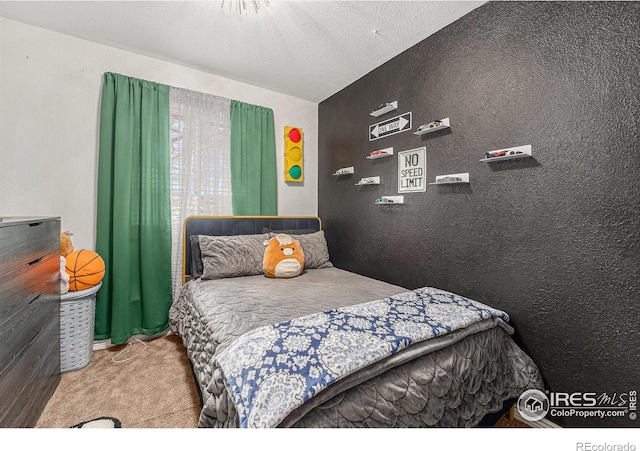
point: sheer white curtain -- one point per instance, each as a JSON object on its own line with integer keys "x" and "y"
{"x": 200, "y": 163}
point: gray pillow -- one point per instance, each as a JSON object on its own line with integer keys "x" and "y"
{"x": 196, "y": 257}
{"x": 231, "y": 256}
{"x": 314, "y": 246}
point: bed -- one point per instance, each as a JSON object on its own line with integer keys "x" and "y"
{"x": 330, "y": 348}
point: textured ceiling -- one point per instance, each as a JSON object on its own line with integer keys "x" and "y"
{"x": 307, "y": 49}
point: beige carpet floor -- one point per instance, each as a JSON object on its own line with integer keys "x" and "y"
{"x": 153, "y": 390}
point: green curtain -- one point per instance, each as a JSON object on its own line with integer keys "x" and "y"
{"x": 254, "y": 189}
{"x": 134, "y": 209}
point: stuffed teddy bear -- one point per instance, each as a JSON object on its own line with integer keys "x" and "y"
{"x": 64, "y": 277}
{"x": 66, "y": 247}
{"x": 283, "y": 257}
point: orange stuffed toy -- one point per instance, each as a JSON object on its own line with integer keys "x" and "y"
{"x": 283, "y": 258}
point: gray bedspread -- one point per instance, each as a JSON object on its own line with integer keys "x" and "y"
{"x": 453, "y": 380}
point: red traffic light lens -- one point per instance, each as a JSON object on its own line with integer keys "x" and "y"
{"x": 294, "y": 135}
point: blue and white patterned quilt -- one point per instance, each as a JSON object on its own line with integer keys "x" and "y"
{"x": 272, "y": 370}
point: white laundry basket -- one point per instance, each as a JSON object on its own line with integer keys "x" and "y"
{"x": 77, "y": 320}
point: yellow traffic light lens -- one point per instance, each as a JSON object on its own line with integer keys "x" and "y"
{"x": 295, "y": 154}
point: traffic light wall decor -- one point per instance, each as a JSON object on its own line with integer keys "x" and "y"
{"x": 293, "y": 154}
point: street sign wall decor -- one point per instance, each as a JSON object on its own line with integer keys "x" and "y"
{"x": 412, "y": 170}
{"x": 398, "y": 124}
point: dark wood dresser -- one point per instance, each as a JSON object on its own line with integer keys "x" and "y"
{"x": 29, "y": 317}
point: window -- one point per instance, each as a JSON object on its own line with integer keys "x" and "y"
{"x": 200, "y": 163}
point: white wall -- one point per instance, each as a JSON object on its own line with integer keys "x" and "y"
{"x": 50, "y": 87}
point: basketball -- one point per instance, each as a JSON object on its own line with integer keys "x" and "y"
{"x": 85, "y": 269}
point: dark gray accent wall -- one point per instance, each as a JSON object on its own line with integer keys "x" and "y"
{"x": 553, "y": 240}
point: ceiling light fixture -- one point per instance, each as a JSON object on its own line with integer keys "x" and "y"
{"x": 241, "y": 5}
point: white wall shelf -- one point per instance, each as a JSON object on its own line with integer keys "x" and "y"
{"x": 451, "y": 179}
{"x": 345, "y": 171}
{"x": 390, "y": 200}
{"x": 385, "y": 109}
{"x": 510, "y": 153}
{"x": 433, "y": 126}
{"x": 369, "y": 181}
{"x": 381, "y": 153}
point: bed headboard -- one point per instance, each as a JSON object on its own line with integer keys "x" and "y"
{"x": 239, "y": 225}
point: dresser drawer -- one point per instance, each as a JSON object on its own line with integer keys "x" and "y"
{"x": 26, "y": 243}
{"x": 26, "y": 285}
{"x": 29, "y": 317}
{"x": 32, "y": 378}
{"x": 25, "y": 326}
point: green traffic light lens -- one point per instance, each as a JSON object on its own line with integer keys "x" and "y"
{"x": 295, "y": 172}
